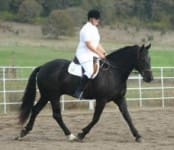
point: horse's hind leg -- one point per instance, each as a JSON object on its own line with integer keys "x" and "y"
{"x": 35, "y": 111}
{"x": 58, "y": 117}
{"x": 124, "y": 111}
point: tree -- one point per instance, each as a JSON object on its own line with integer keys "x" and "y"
{"x": 106, "y": 8}
{"x": 4, "y": 5}
{"x": 14, "y": 5}
{"x": 123, "y": 10}
{"x": 50, "y": 5}
{"x": 148, "y": 8}
{"x": 28, "y": 10}
{"x": 59, "y": 23}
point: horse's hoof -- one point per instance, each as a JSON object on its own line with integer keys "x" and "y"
{"x": 24, "y": 132}
{"x": 72, "y": 137}
{"x": 80, "y": 136}
{"x": 18, "y": 138}
{"x": 139, "y": 139}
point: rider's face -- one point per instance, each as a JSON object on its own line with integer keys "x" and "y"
{"x": 95, "y": 21}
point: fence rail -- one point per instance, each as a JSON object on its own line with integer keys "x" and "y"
{"x": 161, "y": 91}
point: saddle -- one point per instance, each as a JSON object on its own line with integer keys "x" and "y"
{"x": 76, "y": 69}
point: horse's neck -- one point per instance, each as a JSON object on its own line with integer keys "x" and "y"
{"x": 126, "y": 72}
{"x": 125, "y": 64}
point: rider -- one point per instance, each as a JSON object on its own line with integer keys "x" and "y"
{"x": 89, "y": 47}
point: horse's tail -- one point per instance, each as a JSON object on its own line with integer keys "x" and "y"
{"x": 28, "y": 97}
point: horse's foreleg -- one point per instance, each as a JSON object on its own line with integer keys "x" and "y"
{"x": 124, "y": 111}
{"x": 35, "y": 111}
{"x": 58, "y": 117}
{"x": 98, "y": 111}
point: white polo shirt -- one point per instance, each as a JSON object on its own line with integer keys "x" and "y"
{"x": 89, "y": 32}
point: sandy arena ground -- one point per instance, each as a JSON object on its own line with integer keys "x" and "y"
{"x": 111, "y": 133}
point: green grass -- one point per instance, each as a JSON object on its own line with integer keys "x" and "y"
{"x": 5, "y": 15}
{"x": 30, "y": 56}
{"x": 24, "y": 55}
{"x": 162, "y": 58}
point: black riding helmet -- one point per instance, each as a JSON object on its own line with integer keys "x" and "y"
{"x": 94, "y": 14}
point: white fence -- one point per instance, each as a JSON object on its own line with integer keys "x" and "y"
{"x": 160, "y": 92}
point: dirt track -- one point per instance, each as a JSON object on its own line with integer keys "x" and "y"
{"x": 111, "y": 133}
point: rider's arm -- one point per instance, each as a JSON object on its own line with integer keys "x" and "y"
{"x": 100, "y": 47}
{"x": 97, "y": 50}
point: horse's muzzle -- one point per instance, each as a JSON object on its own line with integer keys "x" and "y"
{"x": 147, "y": 75}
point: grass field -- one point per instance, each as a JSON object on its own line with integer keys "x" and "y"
{"x": 30, "y": 56}
{"x": 21, "y": 55}
{"x": 162, "y": 58}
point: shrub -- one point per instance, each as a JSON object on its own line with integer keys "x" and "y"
{"x": 4, "y": 5}
{"x": 172, "y": 22}
{"x": 14, "y": 5}
{"x": 59, "y": 23}
{"x": 28, "y": 10}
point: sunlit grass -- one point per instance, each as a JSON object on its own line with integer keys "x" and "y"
{"x": 26, "y": 55}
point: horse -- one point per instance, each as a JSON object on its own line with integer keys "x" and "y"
{"x": 53, "y": 80}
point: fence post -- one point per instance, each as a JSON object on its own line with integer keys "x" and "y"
{"x": 4, "y": 90}
{"x": 63, "y": 103}
{"x": 91, "y": 104}
{"x": 140, "y": 91}
{"x": 162, "y": 87}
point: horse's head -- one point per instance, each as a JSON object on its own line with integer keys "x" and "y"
{"x": 143, "y": 65}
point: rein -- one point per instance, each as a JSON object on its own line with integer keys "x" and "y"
{"x": 106, "y": 62}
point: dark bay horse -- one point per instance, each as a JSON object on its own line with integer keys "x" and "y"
{"x": 53, "y": 80}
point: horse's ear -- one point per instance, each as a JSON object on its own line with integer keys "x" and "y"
{"x": 148, "y": 46}
{"x": 142, "y": 48}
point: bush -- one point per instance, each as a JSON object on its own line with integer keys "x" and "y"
{"x": 14, "y": 5}
{"x": 59, "y": 23}
{"x": 28, "y": 10}
{"x": 4, "y": 5}
{"x": 78, "y": 14}
{"x": 6, "y": 15}
{"x": 172, "y": 22}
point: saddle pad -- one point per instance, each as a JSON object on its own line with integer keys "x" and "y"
{"x": 76, "y": 70}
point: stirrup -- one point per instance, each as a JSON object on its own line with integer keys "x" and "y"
{"x": 81, "y": 95}
{"x": 78, "y": 94}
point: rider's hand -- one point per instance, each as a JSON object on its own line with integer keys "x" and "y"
{"x": 102, "y": 55}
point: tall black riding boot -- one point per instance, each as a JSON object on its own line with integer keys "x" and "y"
{"x": 79, "y": 91}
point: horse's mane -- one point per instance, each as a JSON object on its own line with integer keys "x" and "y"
{"x": 122, "y": 52}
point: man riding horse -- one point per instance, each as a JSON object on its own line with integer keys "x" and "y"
{"x": 89, "y": 49}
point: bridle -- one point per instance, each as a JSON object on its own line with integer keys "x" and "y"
{"x": 143, "y": 71}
